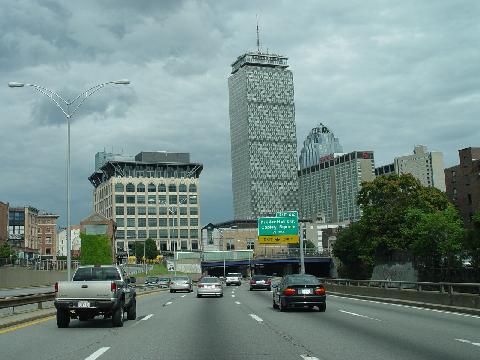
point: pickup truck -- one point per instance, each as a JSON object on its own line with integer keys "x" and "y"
{"x": 96, "y": 290}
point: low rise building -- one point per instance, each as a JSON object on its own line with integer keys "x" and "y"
{"x": 3, "y": 222}
{"x": 47, "y": 234}
{"x": 23, "y": 231}
{"x": 463, "y": 183}
{"x": 75, "y": 239}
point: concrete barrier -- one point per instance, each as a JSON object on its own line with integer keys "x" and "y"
{"x": 13, "y": 277}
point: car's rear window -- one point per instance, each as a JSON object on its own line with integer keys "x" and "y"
{"x": 234, "y": 274}
{"x": 96, "y": 274}
{"x": 183, "y": 278}
{"x": 210, "y": 280}
{"x": 260, "y": 277}
{"x": 164, "y": 279}
{"x": 152, "y": 279}
{"x": 303, "y": 280}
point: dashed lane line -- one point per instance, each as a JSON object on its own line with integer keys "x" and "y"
{"x": 168, "y": 303}
{"x": 255, "y": 317}
{"x": 237, "y": 302}
{"x": 233, "y": 296}
{"x": 468, "y": 342}
{"x": 97, "y": 353}
{"x": 147, "y": 317}
{"x": 184, "y": 295}
{"x": 308, "y": 357}
{"x": 358, "y": 315}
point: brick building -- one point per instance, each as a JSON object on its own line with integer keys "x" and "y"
{"x": 463, "y": 183}
{"x": 47, "y": 234}
{"x": 3, "y": 222}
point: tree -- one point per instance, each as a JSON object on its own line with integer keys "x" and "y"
{"x": 471, "y": 243}
{"x": 151, "y": 251}
{"x": 7, "y": 252}
{"x": 96, "y": 249}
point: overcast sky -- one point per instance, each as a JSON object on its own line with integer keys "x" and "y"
{"x": 383, "y": 75}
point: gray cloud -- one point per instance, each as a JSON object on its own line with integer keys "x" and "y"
{"x": 384, "y": 76}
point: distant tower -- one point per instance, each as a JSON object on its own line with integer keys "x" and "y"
{"x": 263, "y": 135}
{"x": 320, "y": 142}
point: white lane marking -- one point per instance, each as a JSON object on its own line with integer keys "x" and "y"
{"x": 255, "y": 317}
{"x": 184, "y": 295}
{"x": 469, "y": 342}
{"x": 233, "y": 296}
{"x": 409, "y": 306}
{"x": 168, "y": 303}
{"x": 233, "y": 292}
{"x": 97, "y": 353}
{"x": 237, "y": 302}
{"x": 359, "y": 315}
{"x": 307, "y": 357}
{"x": 147, "y": 317}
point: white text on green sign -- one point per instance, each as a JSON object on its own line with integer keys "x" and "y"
{"x": 287, "y": 214}
{"x": 277, "y": 226}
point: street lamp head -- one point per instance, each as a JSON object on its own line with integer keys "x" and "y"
{"x": 121, "y": 82}
{"x": 14, "y": 84}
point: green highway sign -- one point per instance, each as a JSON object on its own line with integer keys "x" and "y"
{"x": 271, "y": 226}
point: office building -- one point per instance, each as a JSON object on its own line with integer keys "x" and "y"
{"x": 426, "y": 166}
{"x": 23, "y": 231}
{"x": 463, "y": 183}
{"x": 320, "y": 142}
{"x": 47, "y": 234}
{"x": 103, "y": 157}
{"x": 263, "y": 136}
{"x": 329, "y": 189}
{"x": 155, "y": 196}
{"x": 3, "y": 222}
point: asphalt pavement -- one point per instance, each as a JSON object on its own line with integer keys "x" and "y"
{"x": 243, "y": 325}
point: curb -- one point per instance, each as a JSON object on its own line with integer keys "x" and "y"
{"x": 462, "y": 310}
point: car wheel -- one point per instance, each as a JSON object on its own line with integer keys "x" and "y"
{"x": 281, "y": 307}
{"x": 275, "y": 306}
{"x": 117, "y": 317}
{"x": 199, "y": 296}
{"x": 171, "y": 291}
{"x": 269, "y": 289}
{"x": 322, "y": 307}
{"x": 63, "y": 318}
{"x": 221, "y": 295}
{"x": 251, "y": 289}
{"x": 132, "y": 310}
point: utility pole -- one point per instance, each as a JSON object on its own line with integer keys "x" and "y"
{"x": 302, "y": 257}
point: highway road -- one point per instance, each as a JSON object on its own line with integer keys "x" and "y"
{"x": 243, "y": 325}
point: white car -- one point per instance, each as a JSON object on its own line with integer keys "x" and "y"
{"x": 233, "y": 278}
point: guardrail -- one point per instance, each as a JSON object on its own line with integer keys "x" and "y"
{"x": 440, "y": 287}
{"x": 29, "y": 299}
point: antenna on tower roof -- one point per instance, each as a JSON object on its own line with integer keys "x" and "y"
{"x": 258, "y": 37}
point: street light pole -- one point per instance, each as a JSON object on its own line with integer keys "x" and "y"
{"x": 59, "y": 101}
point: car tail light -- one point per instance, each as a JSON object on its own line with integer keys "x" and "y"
{"x": 252, "y": 282}
{"x": 56, "y": 287}
{"x": 218, "y": 286}
{"x": 200, "y": 285}
{"x": 113, "y": 287}
{"x": 320, "y": 291}
{"x": 269, "y": 282}
{"x": 289, "y": 291}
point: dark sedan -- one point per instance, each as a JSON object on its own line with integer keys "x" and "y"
{"x": 260, "y": 282}
{"x": 299, "y": 291}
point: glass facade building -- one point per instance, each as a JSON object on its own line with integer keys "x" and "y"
{"x": 263, "y": 136}
{"x": 320, "y": 142}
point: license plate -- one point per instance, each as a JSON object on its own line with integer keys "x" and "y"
{"x": 84, "y": 304}
{"x": 305, "y": 291}
{"x": 261, "y": 282}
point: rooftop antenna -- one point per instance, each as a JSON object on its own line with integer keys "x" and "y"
{"x": 258, "y": 38}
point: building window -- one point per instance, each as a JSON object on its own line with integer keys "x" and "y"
{"x": 142, "y": 222}
{"x": 120, "y": 222}
{"x": 119, "y": 199}
{"x": 174, "y": 233}
{"x": 183, "y": 211}
{"x": 193, "y": 211}
{"x": 194, "y": 233}
{"x": 163, "y": 246}
{"x": 183, "y": 222}
{"x": 152, "y": 210}
{"x": 194, "y": 222}
{"x": 130, "y": 199}
{"x": 141, "y": 210}
{"x": 192, "y": 188}
{"x": 152, "y": 222}
{"x": 140, "y": 199}
{"x": 152, "y": 234}
{"x": 131, "y": 210}
{"x": 162, "y": 199}
{"x": 182, "y": 199}
{"x": 182, "y": 188}
{"x": 119, "y": 187}
{"x": 230, "y": 244}
{"x": 163, "y": 234}
{"x": 162, "y": 210}
{"x": 162, "y": 188}
{"x": 130, "y": 222}
{"x": 194, "y": 245}
{"x": 172, "y": 199}
{"x": 119, "y": 210}
{"x": 184, "y": 244}
{"x": 120, "y": 234}
{"x": 184, "y": 233}
{"x": 250, "y": 244}
{"x": 152, "y": 199}
{"x": 162, "y": 222}
{"x": 131, "y": 234}
{"x": 142, "y": 234}
{"x": 193, "y": 199}
{"x": 130, "y": 187}
{"x": 152, "y": 188}
{"x": 48, "y": 240}
{"x": 172, "y": 188}
{"x": 48, "y": 251}
{"x": 469, "y": 196}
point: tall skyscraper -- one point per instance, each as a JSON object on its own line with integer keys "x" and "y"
{"x": 320, "y": 142}
{"x": 263, "y": 135}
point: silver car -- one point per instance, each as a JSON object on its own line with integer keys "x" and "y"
{"x": 164, "y": 282}
{"x": 181, "y": 283}
{"x": 209, "y": 285}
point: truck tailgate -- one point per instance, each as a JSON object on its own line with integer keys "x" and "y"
{"x": 84, "y": 290}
